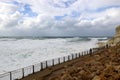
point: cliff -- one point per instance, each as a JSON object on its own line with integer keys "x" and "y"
{"x": 116, "y": 38}
{"x": 117, "y": 31}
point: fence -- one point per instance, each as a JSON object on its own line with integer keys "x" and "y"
{"x": 21, "y": 73}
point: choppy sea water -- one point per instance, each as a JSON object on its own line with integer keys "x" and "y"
{"x": 19, "y": 52}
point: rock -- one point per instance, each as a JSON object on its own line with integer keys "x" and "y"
{"x": 79, "y": 68}
{"x": 117, "y": 68}
{"x": 98, "y": 72}
{"x": 66, "y": 77}
{"x": 91, "y": 75}
{"x": 116, "y": 38}
{"x": 75, "y": 78}
{"x": 109, "y": 68}
{"x": 101, "y": 44}
{"x": 101, "y": 77}
{"x": 97, "y": 57}
{"x": 96, "y": 78}
{"x": 82, "y": 72}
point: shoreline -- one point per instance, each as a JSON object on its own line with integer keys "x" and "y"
{"x": 65, "y": 70}
{"x": 44, "y": 73}
{"x": 102, "y": 65}
{"x": 28, "y": 61}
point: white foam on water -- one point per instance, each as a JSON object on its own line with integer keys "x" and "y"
{"x": 19, "y": 53}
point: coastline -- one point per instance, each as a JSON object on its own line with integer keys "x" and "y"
{"x": 16, "y": 56}
{"x": 89, "y": 67}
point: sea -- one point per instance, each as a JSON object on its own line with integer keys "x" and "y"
{"x": 19, "y": 52}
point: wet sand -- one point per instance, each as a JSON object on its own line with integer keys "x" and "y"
{"x": 103, "y": 65}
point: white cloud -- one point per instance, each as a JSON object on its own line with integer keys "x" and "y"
{"x": 94, "y": 16}
{"x": 10, "y": 20}
{"x": 100, "y": 18}
{"x": 7, "y": 8}
{"x": 41, "y": 21}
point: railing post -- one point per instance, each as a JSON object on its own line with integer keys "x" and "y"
{"x": 23, "y": 75}
{"x": 68, "y": 57}
{"x": 82, "y": 54}
{"x": 64, "y": 59}
{"x": 33, "y": 69}
{"x": 10, "y": 75}
{"x": 79, "y": 54}
{"x": 53, "y": 62}
{"x": 72, "y": 56}
{"x": 76, "y": 55}
{"x": 41, "y": 66}
{"x": 90, "y": 51}
{"x": 46, "y": 64}
{"x": 58, "y": 60}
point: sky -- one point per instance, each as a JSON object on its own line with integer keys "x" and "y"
{"x": 59, "y": 17}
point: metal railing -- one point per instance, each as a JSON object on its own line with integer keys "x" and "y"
{"x": 23, "y": 72}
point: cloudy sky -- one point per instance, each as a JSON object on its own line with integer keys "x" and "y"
{"x": 59, "y": 17}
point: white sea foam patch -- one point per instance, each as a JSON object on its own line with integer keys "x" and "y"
{"x": 18, "y": 53}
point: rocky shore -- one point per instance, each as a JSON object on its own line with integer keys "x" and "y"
{"x": 102, "y": 65}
